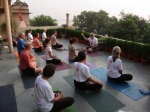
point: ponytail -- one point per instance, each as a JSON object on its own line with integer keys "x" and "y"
{"x": 46, "y": 42}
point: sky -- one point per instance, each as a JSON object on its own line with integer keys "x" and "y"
{"x": 57, "y": 9}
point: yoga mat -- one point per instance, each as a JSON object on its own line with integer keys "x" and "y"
{"x": 69, "y": 109}
{"x": 40, "y": 53}
{"x": 18, "y": 58}
{"x": 60, "y": 67}
{"x": 100, "y": 101}
{"x": 28, "y": 81}
{"x": 7, "y": 99}
{"x": 63, "y": 49}
{"x": 91, "y": 66}
{"x": 128, "y": 88}
{"x": 0, "y": 58}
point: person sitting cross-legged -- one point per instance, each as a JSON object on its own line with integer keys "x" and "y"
{"x": 37, "y": 46}
{"x": 82, "y": 77}
{"x": 114, "y": 67}
{"x": 50, "y": 58}
{"x": 20, "y": 43}
{"x": 72, "y": 50}
{"x": 54, "y": 42}
{"x": 93, "y": 41}
{"x": 46, "y": 99}
{"x": 27, "y": 66}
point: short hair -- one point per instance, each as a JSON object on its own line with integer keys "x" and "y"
{"x": 20, "y": 34}
{"x": 44, "y": 29}
{"x": 30, "y": 30}
{"x": 49, "y": 70}
{"x": 81, "y": 56}
{"x": 36, "y": 34}
{"x": 54, "y": 31}
{"x": 72, "y": 40}
{"x": 92, "y": 34}
{"x": 27, "y": 45}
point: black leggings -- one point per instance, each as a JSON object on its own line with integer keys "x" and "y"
{"x": 75, "y": 59}
{"x": 122, "y": 78}
{"x": 62, "y": 104}
{"x": 54, "y": 61}
{"x": 57, "y": 46}
{"x": 86, "y": 86}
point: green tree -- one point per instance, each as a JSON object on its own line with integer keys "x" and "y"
{"x": 42, "y": 20}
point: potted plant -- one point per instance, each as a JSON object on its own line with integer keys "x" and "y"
{"x": 137, "y": 52}
{"x": 107, "y": 42}
{"x": 130, "y": 49}
{"x": 145, "y": 54}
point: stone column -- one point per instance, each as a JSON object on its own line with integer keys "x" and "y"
{"x": 8, "y": 26}
{"x": 67, "y": 20}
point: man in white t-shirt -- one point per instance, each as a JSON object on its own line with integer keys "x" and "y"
{"x": 44, "y": 35}
{"x": 46, "y": 99}
{"x": 82, "y": 77}
{"x": 93, "y": 41}
{"x": 30, "y": 37}
{"x": 114, "y": 67}
{"x": 54, "y": 42}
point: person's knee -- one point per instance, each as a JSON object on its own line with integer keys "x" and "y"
{"x": 70, "y": 100}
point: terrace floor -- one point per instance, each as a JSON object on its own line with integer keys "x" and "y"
{"x": 9, "y": 74}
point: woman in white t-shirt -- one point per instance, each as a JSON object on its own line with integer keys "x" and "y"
{"x": 50, "y": 58}
{"x": 72, "y": 50}
{"x": 46, "y": 99}
{"x": 114, "y": 67}
{"x": 82, "y": 77}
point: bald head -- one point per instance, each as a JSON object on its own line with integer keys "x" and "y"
{"x": 27, "y": 45}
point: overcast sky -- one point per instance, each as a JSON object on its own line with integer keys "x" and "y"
{"x": 57, "y": 9}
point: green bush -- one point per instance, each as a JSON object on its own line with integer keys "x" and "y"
{"x": 145, "y": 51}
{"x": 112, "y": 42}
{"x": 130, "y": 47}
{"x": 107, "y": 42}
{"x": 137, "y": 49}
{"x": 122, "y": 44}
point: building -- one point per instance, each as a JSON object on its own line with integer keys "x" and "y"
{"x": 24, "y": 10}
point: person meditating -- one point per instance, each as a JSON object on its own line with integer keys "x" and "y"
{"x": 50, "y": 58}
{"x": 20, "y": 45}
{"x": 114, "y": 67}
{"x": 46, "y": 99}
{"x": 44, "y": 35}
{"x": 93, "y": 41}
{"x": 27, "y": 67}
{"x": 72, "y": 49}
{"x": 82, "y": 77}
{"x": 54, "y": 42}
{"x": 30, "y": 37}
{"x": 13, "y": 38}
{"x": 37, "y": 46}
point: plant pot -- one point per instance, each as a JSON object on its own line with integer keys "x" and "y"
{"x": 107, "y": 49}
{"x": 123, "y": 54}
{"x": 144, "y": 61}
{"x": 130, "y": 57}
{"x": 110, "y": 50}
{"x": 136, "y": 59}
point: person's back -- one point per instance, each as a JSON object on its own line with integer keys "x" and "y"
{"x": 36, "y": 43}
{"x": 30, "y": 37}
{"x": 43, "y": 36}
{"x": 82, "y": 72}
{"x": 71, "y": 49}
{"x": 53, "y": 38}
{"x": 20, "y": 45}
{"x": 43, "y": 89}
{"x": 113, "y": 67}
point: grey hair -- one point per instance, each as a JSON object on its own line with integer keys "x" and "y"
{"x": 27, "y": 45}
{"x": 20, "y": 34}
{"x": 44, "y": 29}
{"x": 92, "y": 34}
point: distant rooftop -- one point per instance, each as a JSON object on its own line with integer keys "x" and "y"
{"x": 18, "y": 2}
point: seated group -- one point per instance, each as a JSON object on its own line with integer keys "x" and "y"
{"x": 46, "y": 99}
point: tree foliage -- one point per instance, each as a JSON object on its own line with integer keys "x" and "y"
{"x": 128, "y": 27}
{"x": 42, "y": 20}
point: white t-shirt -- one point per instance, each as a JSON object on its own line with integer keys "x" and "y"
{"x": 53, "y": 38}
{"x": 81, "y": 72}
{"x": 30, "y": 37}
{"x": 44, "y": 36}
{"x": 44, "y": 94}
{"x": 113, "y": 67}
{"x": 47, "y": 57}
{"x": 93, "y": 41}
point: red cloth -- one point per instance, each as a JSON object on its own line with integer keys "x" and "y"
{"x": 25, "y": 61}
{"x": 19, "y": 15}
{"x": 36, "y": 43}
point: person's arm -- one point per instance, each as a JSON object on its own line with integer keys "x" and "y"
{"x": 74, "y": 52}
{"x": 57, "y": 97}
{"x": 50, "y": 54}
{"x": 84, "y": 37}
{"x": 28, "y": 61}
{"x": 94, "y": 81}
{"x": 120, "y": 71}
{"x": 30, "y": 56}
{"x": 120, "y": 67}
{"x": 96, "y": 43}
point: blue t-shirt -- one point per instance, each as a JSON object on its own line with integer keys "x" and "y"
{"x": 20, "y": 45}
